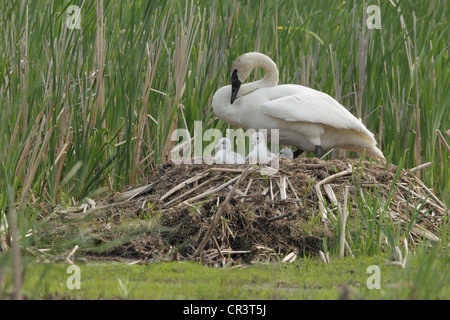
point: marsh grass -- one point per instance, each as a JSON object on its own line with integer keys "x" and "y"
{"x": 87, "y": 111}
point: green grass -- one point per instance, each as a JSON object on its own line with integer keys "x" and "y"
{"x": 423, "y": 278}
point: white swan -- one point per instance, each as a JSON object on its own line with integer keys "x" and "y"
{"x": 260, "y": 152}
{"x": 306, "y": 118}
{"x": 225, "y": 155}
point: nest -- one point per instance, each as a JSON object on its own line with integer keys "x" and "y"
{"x": 226, "y": 214}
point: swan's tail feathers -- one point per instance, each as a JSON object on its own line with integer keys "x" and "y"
{"x": 373, "y": 151}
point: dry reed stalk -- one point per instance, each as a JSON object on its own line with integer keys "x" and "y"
{"x": 271, "y": 189}
{"x": 15, "y": 132}
{"x": 60, "y": 160}
{"x": 35, "y": 161}
{"x": 185, "y": 35}
{"x": 69, "y": 256}
{"x": 17, "y": 267}
{"x": 183, "y": 184}
{"x": 380, "y": 129}
{"x": 191, "y": 190}
{"x": 325, "y": 258}
{"x": 420, "y": 167}
{"x": 362, "y": 60}
{"x": 322, "y": 208}
{"x": 282, "y": 187}
{"x": 441, "y": 138}
{"x": 214, "y": 190}
{"x": 343, "y": 224}
{"x": 99, "y": 58}
{"x": 24, "y": 78}
{"x": 143, "y": 121}
{"x": 417, "y": 148}
{"x": 330, "y": 193}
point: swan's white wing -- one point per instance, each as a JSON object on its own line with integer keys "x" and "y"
{"x": 310, "y": 105}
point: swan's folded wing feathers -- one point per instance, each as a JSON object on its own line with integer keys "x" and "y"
{"x": 313, "y": 106}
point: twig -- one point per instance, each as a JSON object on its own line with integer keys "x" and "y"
{"x": 295, "y": 193}
{"x": 238, "y": 192}
{"x": 227, "y": 170}
{"x": 183, "y": 184}
{"x": 68, "y": 258}
{"x": 211, "y": 191}
{"x": 248, "y": 186}
{"x": 322, "y": 208}
{"x": 167, "y": 204}
{"x": 218, "y": 247}
{"x": 420, "y": 167}
{"x": 246, "y": 189}
{"x": 282, "y": 187}
{"x": 219, "y": 214}
{"x": 325, "y": 155}
{"x": 335, "y": 176}
{"x": 278, "y": 217}
{"x": 271, "y": 189}
{"x": 229, "y": 251}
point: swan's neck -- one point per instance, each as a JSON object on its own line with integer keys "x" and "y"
{"x": 270, "y": 78}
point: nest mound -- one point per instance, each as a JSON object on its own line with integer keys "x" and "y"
{"x": 198, "y": 211}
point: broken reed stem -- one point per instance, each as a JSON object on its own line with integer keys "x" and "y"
{"x": 69, "y": 257}
{"x": 441, "y": 137}
{"x": 219, "y": 214}
{"x": 183, "y": 184}
{"x": 322, "y": 208}
{"x": 325, "y": 258}
{"x": 420, "y": 167}
{"x": 191, "y": 190}
{"x": 282, "y": 187}
{"x": 343, "y": 223}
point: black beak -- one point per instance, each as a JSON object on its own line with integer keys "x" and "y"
{"x": 235, "y": 85}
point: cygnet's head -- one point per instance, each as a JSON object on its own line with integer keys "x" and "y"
{"x": 257, "y": 138}
{"x": 223, "y": 143}
{"x": 287, "y": 153}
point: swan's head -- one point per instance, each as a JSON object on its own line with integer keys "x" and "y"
{"x": 257, "y": 138}
{"x": 243, "y": 66}
{"x": 223, "y": 143}
{"x": 241, "y": 69}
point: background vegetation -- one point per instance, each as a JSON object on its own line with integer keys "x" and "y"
{"x": 90, "y": 110}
